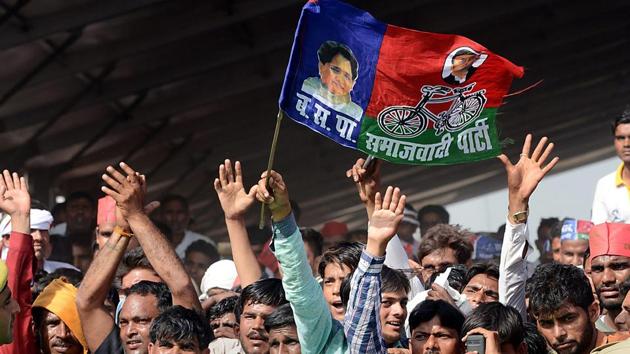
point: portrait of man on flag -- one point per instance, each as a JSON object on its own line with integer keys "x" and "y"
{"x": 461, "y": 64}
{"x": 338, "y": 71}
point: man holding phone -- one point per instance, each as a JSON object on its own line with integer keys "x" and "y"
{"x": 494, "y": 328}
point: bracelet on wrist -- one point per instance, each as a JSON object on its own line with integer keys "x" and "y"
{"x": 119, "y": 230}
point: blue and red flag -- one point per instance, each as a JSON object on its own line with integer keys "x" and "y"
{"x": 402, "y": 95}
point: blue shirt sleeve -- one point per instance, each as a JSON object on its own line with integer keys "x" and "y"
{"x": 362, "y": 323}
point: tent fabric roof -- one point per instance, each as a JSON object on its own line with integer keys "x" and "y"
{"x": 174, "y": 87}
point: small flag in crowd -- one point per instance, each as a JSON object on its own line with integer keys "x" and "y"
{"x": 573, "y": 229}
{"x": 401, "y": 95}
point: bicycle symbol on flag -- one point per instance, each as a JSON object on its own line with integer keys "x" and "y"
{"x": 411, "y": 121}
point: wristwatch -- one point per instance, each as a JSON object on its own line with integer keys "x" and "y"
{"x": 520, "y": 216}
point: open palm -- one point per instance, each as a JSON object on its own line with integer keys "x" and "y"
{"x": 229, "y": 187}
{"x": 388, "y": 213}
{"x": 14, "y": 196}
{"x": 524, "y": 176}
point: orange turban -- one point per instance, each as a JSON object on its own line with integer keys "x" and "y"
{"x": 610, "y": 239}
{"x": 59, "y": 298}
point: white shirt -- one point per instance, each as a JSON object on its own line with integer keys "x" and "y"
{"x": 513, "y": 266}
{"x": 189, "y": 238}
{"x": 51, "y": 266}
{"x": 612, "y": 200}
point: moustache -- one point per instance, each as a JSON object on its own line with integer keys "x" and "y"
{"x": 254, "y": 334}
{"x": 63, "y": 342}
{"x": 614, "y": 287}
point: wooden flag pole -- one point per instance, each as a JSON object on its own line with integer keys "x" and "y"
{"x": 272, "y": 155}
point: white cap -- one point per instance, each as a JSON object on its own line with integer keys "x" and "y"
{"x": 221, "y": 274}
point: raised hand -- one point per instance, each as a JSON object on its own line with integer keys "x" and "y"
{"x": 368, "y": 181}
{"x": 524, "y": 176}
{"x": 15, "y": 201}
{"x": 128, "y": 191}
{"x": 229, "y": 187}
{"x": 388, "y": 212}
{"x": 14, "y": 194}
{"x": 276, "y": 196}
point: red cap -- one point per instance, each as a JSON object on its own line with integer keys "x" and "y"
{"x": 106, "y": 210}
{"x": 334, "y": 228}
{"x": 610, "y": 239}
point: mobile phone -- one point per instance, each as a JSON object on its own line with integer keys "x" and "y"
{"x": 476, "y": 343}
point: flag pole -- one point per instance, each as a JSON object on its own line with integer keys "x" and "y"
{"x": 272, "y": 155}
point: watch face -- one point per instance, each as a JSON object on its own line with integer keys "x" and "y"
{"x": 520, "y": 216}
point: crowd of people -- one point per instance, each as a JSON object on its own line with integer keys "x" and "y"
{"x": 120, "y": 275}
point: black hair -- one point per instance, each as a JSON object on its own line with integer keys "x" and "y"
{"x": 547, "y": 223}
{"x": 281, "y": 317}
{"x": 490, "y": 269}
{"x": 36, "y": 204}
{"x": 536, "y": 343}
{"x": 444, "y": 236}
{"x": 557, "y": 284}
{"x": 81, "y": 195}
{"x": 346, "y": 253}
{"x": 587, "y": 255}
{"x": 449, "y": 316}
{"x": 494, "y": 316}
{"x": 134, "y": 258}
{"x": 227, "y": 305}
{"x": 556, "y": 229}
{"x": 313, "y": 239}
{"x": 456, "y": 278}
{"x": 182, "y": 326}
{"x": 175, "y": 198}
{"x": 329, "y": 49}
{"x": 624, "y": 118}
{"x": 393, "y": 281}
{"x": 444, "y": 216}
{"x": 159, "y": 290}
{"x": 258, "y": 236}
{"x": 69, "y": 275}
{"x": 344, "y": 290}
{"x": 204, "y": 247}
{"x": 264, "y": 291}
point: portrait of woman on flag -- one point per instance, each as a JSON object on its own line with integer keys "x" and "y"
{"x": 338, "y": 72}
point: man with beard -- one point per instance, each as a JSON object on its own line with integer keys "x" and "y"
{"x": 564, "y": 308}
{"x": 56, "y": 320}
{"x": 132, "y": 221}
{"x": 610, "y": 266}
